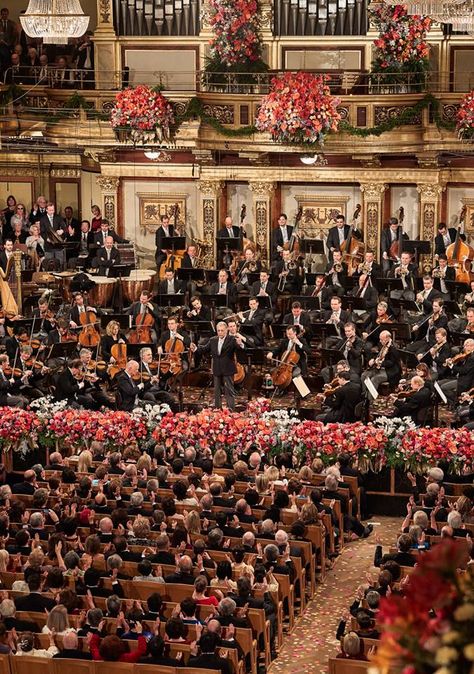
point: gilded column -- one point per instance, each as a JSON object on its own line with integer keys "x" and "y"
{"x": 372, "y": 194}
{"x": 106, "y": 55}
{"x": 430, "y": 196}
{"x": 262, "y": 194}
{"x": 109, "y": 186}
{"x": 209, "y": 192}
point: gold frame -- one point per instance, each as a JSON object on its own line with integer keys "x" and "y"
{"x": 325, "y": 208}
{"x": 152, "y": 207}
{"x": 469, "y": 219}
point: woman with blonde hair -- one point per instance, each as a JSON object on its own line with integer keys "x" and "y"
{"x": 85, "y": 461}
{"x": 305, "y": 474}
{"x": 4, "y": 560}
{"x": 57, "y": 621}
{"x": 261, "y": 483}
{"x": 193, "y": 522}
{"x": 144, "y": 463}
{"x": 220, "y": 458}
{"x": 112, "y": 337}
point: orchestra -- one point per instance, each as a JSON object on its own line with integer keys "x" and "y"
{"x": 117, "y": 343}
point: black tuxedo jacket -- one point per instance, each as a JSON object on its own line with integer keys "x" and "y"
{"x": 410, "y": 406}
{"x": 428, "y": 301}
{"x": 232, "y": 292}
{"x": 392, "y": 366}
{"x": 66, "y": 386}
{"x": 354, "y": 355}
{"x": 99, "y": 238}
{"x": 223, "y": 365}
{"x": 277, "y": 239}
{"x": 333, "y": 237}
{"x": 303, "y": 351}
{"x": 75, "y": 224}
{"x": 3, "y": 260}
{"x": 270, "y": 289}
{"x": 128, "y": 391}
{"x": 135, "y": 309}
{"x": 36, "y": 215}
{"x": 449, "y": 276}
{"x": 375, "y": 272}
{"x": 341, "y": 276}
{"x": 163, "y": 287}
{"x": 304, "y": 321}
{"x": 160, "y": 235}
{"x": 104, "y": 263}
{"x": 440, "y": 248}
{"x": 75, "y": 314}
{"x": 386, "y": 239}
{"x": 443, "y": 354}
{"x": 224, "y": 234}
{"x": 343, "y": 403}
{"x": 465, "y": 372}
{"x": 165, "y": 335}
{"x": 257, "y": 322}
{"x": 45, "y": 227}
{"x": 186, "y": 262}
{"x": 370, "y": 296}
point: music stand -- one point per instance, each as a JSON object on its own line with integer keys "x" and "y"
{"x": 451, "y": 307}
{"x": 388, "y": 284}
{"x": 409, "y": 359}
{"x": 175, "y": 300}
{"x": 310, "y": 278}
{"x": 212, "y": 276}
{"x": 400, "y": 331}
{"x": 264, "y": 302}
{"x": 324, "y": 330}
{"x": 354, "y": 303}
{"x": 199, "y": 327}
{"x": 309, "y": 303}
{"x": 26, "y": 323}
{"x": 189, "y": 274}
{"x": 458, "y": 338}
{"x": 311, "y": 246}
{"x": 120, "y": 271}
{"x": 331, "y": 356}
{"x": 124, "y": 320}
{"x": 406, "y": 305}
{"x": 62, "y": 350}
{"x": 173, "y": 243}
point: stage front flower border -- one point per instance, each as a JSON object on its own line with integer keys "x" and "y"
{"x": 393, "y": 443}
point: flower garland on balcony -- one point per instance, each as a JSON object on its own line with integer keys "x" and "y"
{"x": 401, "y": 46}
{"x": 143, "y": 114}
{"x": 236, "y": 45}
{"x": 299, "y": 109}
{"x": 465, "y": 118}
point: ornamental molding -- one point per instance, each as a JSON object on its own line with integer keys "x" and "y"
{"x": 105, "y": 11}
{"x": 65, "y": 173}
{"x": 428, "y": 192}
{"x": 373, "y": 190}
{"x": 262, "y": 189}
{"x": 108, "y": 183}
{"x": 210, "y": 188}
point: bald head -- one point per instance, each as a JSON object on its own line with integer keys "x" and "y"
{"x": 70, "y": 640}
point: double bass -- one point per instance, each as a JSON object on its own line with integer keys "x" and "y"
{"x": 174, "y": 258}
{"x": 293, "y": 245}
{"x": 459, "y": 255}
{"x": 352, "y": 251}
{"x": 282, "y": 375}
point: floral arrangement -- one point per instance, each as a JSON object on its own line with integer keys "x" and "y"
{"x": 299, "y": 109}
{"x": 235, "y": 25}
{"x": 465, "y": 117}
{"x": 144, "y": 113}
{"x": 421, "y": 447}
{"x": 394, "y": 429}
{"x": 430, "y": 629}
{"x": 401, "y": 46}
{"x": 19, "y": 429}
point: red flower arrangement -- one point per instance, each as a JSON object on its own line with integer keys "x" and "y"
{"x": 299, "y": 109}
{"x": 144, "y": 112}
{"x": 18, "y": 426}
{"x": 465, "y": 117}
{"x": 422, "y": 447}
{"x": 430, "y": 628}
{"x": 78, "y": 428}
{"x": 236, "y": 32}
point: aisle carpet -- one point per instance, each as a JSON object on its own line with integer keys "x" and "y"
{"x": 313, "y": 640}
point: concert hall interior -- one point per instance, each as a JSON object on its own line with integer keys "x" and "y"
{"x": 237, "y": 336}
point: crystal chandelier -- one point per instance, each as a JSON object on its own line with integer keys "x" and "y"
{"x": 54, "y": 20}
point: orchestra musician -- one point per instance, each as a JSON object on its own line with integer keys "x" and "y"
{"x": 71, "y": 387}
{"x": 29, "y": 384}
{"x": 92, "y": 379}
{"x": 469, "y": 297}
{"x": 249, "y": 265}
{"x": 13, "y": 343}
{"x": 444, "y": 238}
{"x": 144, "y": 305}
{"x": 441, "y": 274}
{"x": 52, "y": 229}
{"x": 107, "y": 257}
{"x": 337, "y": 317}
{"x": 337, "y": 235}
{"x": 222, "y": 349}
{"x": 440, "y": 352}
{"x": 281, "y": 235}
{"x": 170, "y": 285}
{"x": 224, "y": 286}
{"x": 197, "y": 311}
{"x": 105, "y": 230}
{"x": 336, "y": 274}
{"x": 386, "y": 366}
{"x": 293, "y": 342}
{"x": 112, "y": 336}
{"x": 60, "y": 333}
{"x": 461, "y": 369}
{"x": 288, "y": 274}
{"x": 165, "y": 230}
{"x": 343, "y": 402}
{"x": 438, "y": 319}
{"x": 78, "y": 309}
{"x": 407, "y": 272}
{"x": 264, "y": 287}
{"x": 426, "y": 296}
{"x": 389, "y": 236}
{"x": 6, "y": 254}
{"x": 7, "y": 383}
{"x": 352, "y": 348}
{"x": 233, "y": 327}
{"x": 369, "y": 294}
{"x": 255, "y": 317}
{"x": 131, "y": 393}
{"x": 229, "y": 230}
{"x": 463, "y": 324}
{"x": 320, "y": 291}
{"x": 300, "y": 318}
{"x": 369, "y": 267}
{"x": 173, "y": 333}
{"x": 416, "y": 401}
{"x": 190, "y": 259}
{"x": 371, "y": 330}
{"x": 152, "y": 381}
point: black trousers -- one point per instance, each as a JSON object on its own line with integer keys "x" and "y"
{"x": 223, "y": 383}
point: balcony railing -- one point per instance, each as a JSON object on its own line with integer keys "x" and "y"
{"x": 341, "y": 82}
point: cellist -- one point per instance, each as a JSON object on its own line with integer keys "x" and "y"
{"x": 142, "y": 307}
{"x": 80, "y": 307}
{"x": 168, "y": 343}
{"x": 293, "y": 342}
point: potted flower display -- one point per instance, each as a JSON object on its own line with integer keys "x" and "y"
{"x": 143, "y": 115}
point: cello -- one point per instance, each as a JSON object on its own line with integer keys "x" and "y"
{"x": 119, "y": 354}
{"x": 141, "y": 334}
{"x": 282, "y": 375}
{"x": 352, "y": 251}
{"x": 239, "y": 375}
{"x": 458, "y": 254}
{"x": 89, "y": 336}
{"x": 171, "y": 362}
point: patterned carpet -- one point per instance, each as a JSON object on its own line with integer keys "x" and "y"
{"x": 313, "y": 641}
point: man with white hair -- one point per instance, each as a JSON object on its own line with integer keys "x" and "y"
{"x": 254, "y": 461}
{"x": 223, "y": 349}
{"x": 70, "y": 649}
{"x": 456, "y": 523}
{"x": 434, "y": 475}
{"x": 461, "y": 379}
{"x": 386, "y": 365}
{"x": 248, "y": 541}
{"x": 267, "y": 529}
{"x": 106, "y": 530}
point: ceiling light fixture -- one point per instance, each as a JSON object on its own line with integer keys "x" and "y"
{"x": 55, "y": 21}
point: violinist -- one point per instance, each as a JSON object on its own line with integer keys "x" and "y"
{"x": 222, "y": 349}
{"x": 92, "y": 378}
{"x": 407, "y": 272}
{"x": 416, "y": 400}
{"x": 371, "y": 330}
{"x": 70, "y": 386}
{"x": 7, "y": 383}
{"x": 464, "y": 324}
{"x": 461, "y": 369}
{"x": 441, "y": 274}
{"x": 300, "y": 318}
{"x": 249, "y": 265}
{"x": 386, "y": 366}
{"x": 390, "y": 236}
{"x": 352, "y": 348}
{"x": 33, "y": 371}
{"x": 440, "y": 352}
{"x": 469, "y": 297}
{"x": 107, "y": 257}
{"x": 166, "y": 344}
{"x": 44, "y": 316}
{"x": 426, "y": 328}
{"x": 79, "y": 308}
{"x": 336, "y": 274}
{"x": 293, "y": 342}
{"x": 112, "y": 336}
{"x": 144, "y": 306}
{"x": 343, "y": 402}
{"x": 152, "y": 391}
{"x": 16, "y": 341}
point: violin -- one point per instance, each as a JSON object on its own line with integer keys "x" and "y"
{"x": 385, "y": 318}
{"x": 119, "y": 353}
{"x": 282, "y": 375}
{"x": 89, "y": 336}
{"x": 141, "y": 334}
{"x": 14, "y": 372}
{"x": 456, "y": 359}
{"x": 36, "y": 365}
{"x": 172, "y": 362}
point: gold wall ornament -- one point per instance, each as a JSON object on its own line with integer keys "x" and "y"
{"x": 65, "y": 173}
{"x": 210, "y": 191}
{"x": 262, "y": 188}
{"x": 108, "y": 183}
{"x": 261, "y": 195}
{"x": 152, "y": 208}
{"x": 319, "y": 213}
{"x": 469, "y": 213}
{"x": 110, "y": 208}
{"x": 429, "y": 191}
{"x": 429, "y": 208}
{"x": 105, "y": 11}
{"x": 372, "y": 197}
{"x": 210, "y": 187}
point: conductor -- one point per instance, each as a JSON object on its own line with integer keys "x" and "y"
{"x": 222, "y": 349}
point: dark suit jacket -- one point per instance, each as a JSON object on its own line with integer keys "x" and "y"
{"x": 304, "y": 321}
{"x": 66, "y": 386}
{"x": 211, "y": 662}
{"x": 370, "y": 296}
{"x": 257, "y": 323}
{"x": 410, "y": 406}
{"x": 73, "y": 654}
{"x": 160, "y": 235}
{"x": 223, "y": 233}
{"x": 354, "y": 355}
{"x": 134, "y": 309}
{"x": 341, "y": 276}
{"x": 165, "y": 335}
{"x": 402, "y": 558}
{"x": 163, "y": 287}
{"x": 386, "y": 239}
{"x": 270, "y": 289}
{"x": 443, "y": 354}
{"x": 343, "y": 403}
{"x": 428, "y": 301}
{"x": 232, "y": 292}
{"x": 449, "y": 276}
{"x": 45, "y": 227}
{"x": 128, "y": 391}
{"x": 223, "y": 365}
{"x": 465, "y": 372}
{"x": 23, "y": 488}
{"x": 392, "y": 366}
{"x": 277, "y": 239}
{"x": 440, "y": 248}
{"x": 103, "y": 263}
{"x": 186, "y": 262}
{"x": 3, "y": 260}
{"x": 34, "y": 602}
{"x": 75, "y": 314}
{"x": 35, "y": 216}
{"x": 333, "y": 237}
{"x": 99, "y": 238}
{"x": 303, "y": 351}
